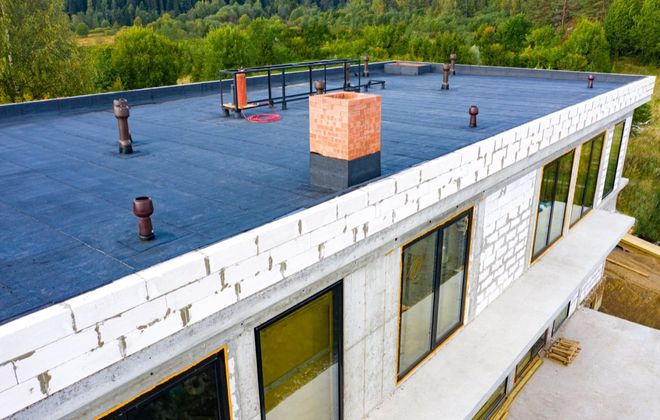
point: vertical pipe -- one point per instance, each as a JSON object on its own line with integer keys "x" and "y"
{"x": 445, "y": 76}
{"x": 241, "y": 90}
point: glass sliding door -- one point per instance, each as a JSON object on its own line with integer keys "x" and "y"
{"x": 613, "y": 158}
{"x": 553, "y": 199}
{"x": 449, "y": 307}
{"x": 299, "y": 360}
{"x": 585, "y": 185}
{"x": 433, "y": 282}
{"x": 417, "y": 299}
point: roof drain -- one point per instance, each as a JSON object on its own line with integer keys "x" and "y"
{"x": 143, "y": 208}
{"x": 122, "y": 112}
{"x": 344, "y": 139}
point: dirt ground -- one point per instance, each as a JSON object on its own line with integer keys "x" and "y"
{"x": 631, "y": 289}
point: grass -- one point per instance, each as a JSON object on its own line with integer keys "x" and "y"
{"x": 95, "y": 39}
{"x": 641, "y": 198}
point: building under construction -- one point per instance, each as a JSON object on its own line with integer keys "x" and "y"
{"x": 400, "y": 235}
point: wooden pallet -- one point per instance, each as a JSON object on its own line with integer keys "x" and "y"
{"x": 564, "y": 350}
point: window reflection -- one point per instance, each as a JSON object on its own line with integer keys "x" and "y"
{"x": 299, "y": 361}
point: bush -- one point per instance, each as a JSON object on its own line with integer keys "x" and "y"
{"x": 82, "y": 29}
{"x": 142, "y": 58}
{"x": 647, "y": 32}
{"x": 586, "y": 48}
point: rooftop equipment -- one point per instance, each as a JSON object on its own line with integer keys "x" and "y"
{"x": 143, "y": 208}
{"x": 122, "y": 112}
{"x": 277, "y": 74}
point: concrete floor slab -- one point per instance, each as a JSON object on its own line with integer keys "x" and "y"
{"x": 615, "y": 376}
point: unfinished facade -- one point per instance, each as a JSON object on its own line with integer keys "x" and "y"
{"x": 426, "y": 289}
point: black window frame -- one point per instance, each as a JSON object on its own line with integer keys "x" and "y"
{"x": 555, "y": 326}
{"x": 533, "y": 352}
{"x": 338, "y": 307}
{"x": 433, "y": 343}
{"x": 495, "y": 404}
{"x": 536, "y": 254}
{"x": 600, "y": 137}
{"x": 222, "y": 389}
{"x": 607, "y": 190}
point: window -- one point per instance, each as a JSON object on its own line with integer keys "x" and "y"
{"x": 199, "y": 392}
{"x": 526, "y": 361}
{"x": 299, "y": 360}
{"x": 585, "y": 185}
{"x": 613, "y": 159}
{"x": 555, "y": 183}
{"x": 560, "y": 319}
{"x": 488, "y": 409}
{"x": 432, "y": 289}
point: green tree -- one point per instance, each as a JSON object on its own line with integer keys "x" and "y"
{"x": 513, "y": 31}
{"x": 143, "y": 58}
{"x": 38, "y": 56}
{"x": 225, "y": 48}
{"x": 587, "y": 41}
{"x": 647, "y": 31}
{"x": 619, "y": 26}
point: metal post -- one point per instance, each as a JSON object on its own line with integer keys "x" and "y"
{"x": 222, "y": 98}
{"x": 347, "y": 75}
{"x": 325, "y": 75}
{"x": 310, "y": 80}
{"x": 270, "y": 93}
{"x": 235, "y": 94}
{"x": 283, "y": 89}
{"x": 359, "y": 77}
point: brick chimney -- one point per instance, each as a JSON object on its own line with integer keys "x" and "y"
{"x": 344, "y": 139}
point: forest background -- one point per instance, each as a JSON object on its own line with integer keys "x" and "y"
{"x": 55, "y": 48}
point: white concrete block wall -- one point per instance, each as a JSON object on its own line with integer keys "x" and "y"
{"x": 591, "y": 282}
{"x": 508, "y": 218}
{"x": 229, "y": 271}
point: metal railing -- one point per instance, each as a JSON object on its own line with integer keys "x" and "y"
{"x": 280, "y": 70}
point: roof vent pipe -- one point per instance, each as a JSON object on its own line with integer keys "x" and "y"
{"x": 590, "y": 83}
{"x": 445, "y": 76}
{"x": 366, "y": 65}
{"x": 452, "y": 59}
{"x": 319, "y": 85}
{"x": 473, "y": 111}
{"x": 122, "y": 112}
{"x": 143, "y": 208}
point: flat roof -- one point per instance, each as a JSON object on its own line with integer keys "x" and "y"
{"x": 67, "y": 225}
{"x": 615, "y": 375}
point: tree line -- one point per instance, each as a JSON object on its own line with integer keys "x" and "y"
{"x": 192, "y": 40}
